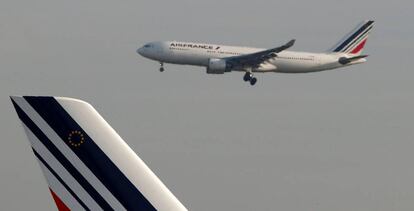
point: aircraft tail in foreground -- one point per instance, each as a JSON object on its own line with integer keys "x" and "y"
{"x": 86, "y": 163}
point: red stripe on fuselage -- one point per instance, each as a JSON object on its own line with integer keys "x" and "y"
{"x": 59, "y": 203}
{"x": 359, "y": 47}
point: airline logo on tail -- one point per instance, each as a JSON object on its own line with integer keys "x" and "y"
{"x": 354, "y": 42}
{"x": 86, "y": 163}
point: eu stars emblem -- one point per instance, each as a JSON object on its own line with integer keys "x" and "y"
{"x": 76, "y": 138}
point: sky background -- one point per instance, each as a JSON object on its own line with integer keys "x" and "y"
{"x": 334, "y": 140}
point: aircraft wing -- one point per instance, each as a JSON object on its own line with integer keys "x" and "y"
{"x": 255, "y": 59}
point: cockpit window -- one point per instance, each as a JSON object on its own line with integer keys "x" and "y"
{"x": 147, "y": 46}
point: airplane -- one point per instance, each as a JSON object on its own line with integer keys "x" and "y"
{"x": 87, "y": 165}
{"x": 220, "y": 59}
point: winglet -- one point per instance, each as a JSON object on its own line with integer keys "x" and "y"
{"x": 284, "y": 47}
{"x": 290, "y": 43}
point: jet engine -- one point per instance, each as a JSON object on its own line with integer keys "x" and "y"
{"x": 217, "y": 66}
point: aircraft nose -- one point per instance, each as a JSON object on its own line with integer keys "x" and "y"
{"x": 140, "y": 51}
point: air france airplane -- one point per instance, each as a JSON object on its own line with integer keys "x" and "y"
{"x": 219, "y": 59}
{"x": 86, "y": 163}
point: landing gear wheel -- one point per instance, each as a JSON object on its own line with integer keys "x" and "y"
{"x": 253, "y": 81}
{"x": 162, "y": 67}
{"x": 247, "y": 77}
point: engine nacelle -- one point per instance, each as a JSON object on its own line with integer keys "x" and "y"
{"x": 217, "y": 66}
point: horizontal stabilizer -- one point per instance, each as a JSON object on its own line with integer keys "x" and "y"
{"x": 344, "y": 60}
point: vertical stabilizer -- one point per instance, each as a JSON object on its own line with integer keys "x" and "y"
{"x": 86, "y": 163}
{"x": 354, "y": 42}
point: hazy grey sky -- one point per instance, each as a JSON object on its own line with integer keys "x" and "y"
{"x": 335, "y": 140}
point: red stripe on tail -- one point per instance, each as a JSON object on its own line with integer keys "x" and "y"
{"x": 359, "y": 47}
{"x": 59, "y": 203}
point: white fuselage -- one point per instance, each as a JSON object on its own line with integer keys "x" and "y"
{"x": 199, "y": 54}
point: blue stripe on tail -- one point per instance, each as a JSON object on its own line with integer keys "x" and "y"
{"x": 60, "y": 180}
{"x": 92, "y": 156}
{"x": 341, "y": 47}
{"x": 61, "y": 158}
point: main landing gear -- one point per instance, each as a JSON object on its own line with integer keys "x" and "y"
{"x": 249, "y": 77}
{"x": 162, "y": 67}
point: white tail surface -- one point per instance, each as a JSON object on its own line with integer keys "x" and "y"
{"x": 86, "y": 163}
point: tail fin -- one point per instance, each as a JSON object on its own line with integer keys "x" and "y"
{"x": 354, "y": 42}
{"x": 86, "y": 163}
